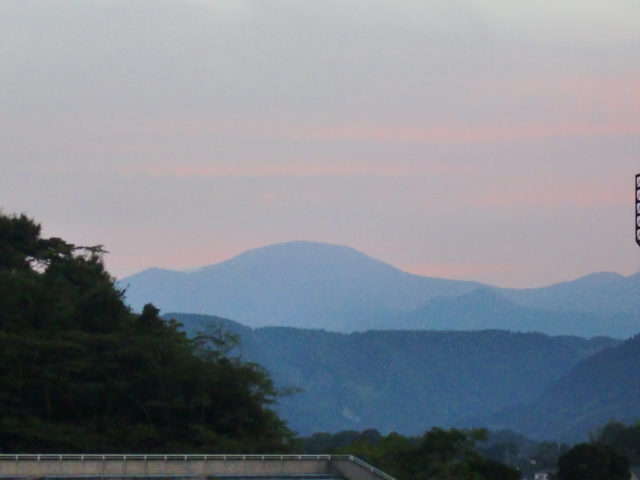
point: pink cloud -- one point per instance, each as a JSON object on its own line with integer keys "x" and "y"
{"x": 610, "y": 96}
{"x": 579, "y": 197}
{"x": 568, "y": 108}
{"x": 504, "y": 133}
{"x": 289, "y": 169}
{"x": 190, "y": 162}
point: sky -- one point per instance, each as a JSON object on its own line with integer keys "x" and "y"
{"x": 491, "y": 140}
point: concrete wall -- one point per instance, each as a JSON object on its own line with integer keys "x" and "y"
{"x": 343, "y": 466}
{"x": 267, "y": 466}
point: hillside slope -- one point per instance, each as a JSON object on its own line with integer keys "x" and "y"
{"x": 601, "y": 292}
{"x": 602, "y": 387}
{"x": 402, "y": 380}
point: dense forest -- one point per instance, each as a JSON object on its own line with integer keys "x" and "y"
{"x": 79, "y": 372}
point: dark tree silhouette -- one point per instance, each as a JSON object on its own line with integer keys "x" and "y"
{"x": 79, "y": 372}
{"x": 593, "y": 461}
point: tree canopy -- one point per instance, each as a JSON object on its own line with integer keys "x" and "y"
{"x": 593, "y": 461}
{"x": 624, "y": 439}
{"x": 80, "y": 372}
{"x": 438, "y": 454}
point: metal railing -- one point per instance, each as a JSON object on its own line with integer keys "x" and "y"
{"x": 186, "y": 457}
{"x": 369, "y": 467}
{"x": 159, "y": 457}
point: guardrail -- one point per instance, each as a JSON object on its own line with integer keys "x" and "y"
{"x": 369, "y": 467}
{"x": 186, "y": 457}
{"x": 152, "y": 457}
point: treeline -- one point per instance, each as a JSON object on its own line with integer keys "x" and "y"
{"x": 479, "y": 454}
{"x": 625, "y": 439}
{"x": 79, "y": 372}
{"x": 438, "y": 453}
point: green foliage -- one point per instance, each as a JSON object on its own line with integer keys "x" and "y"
{"x": 390, "y": 454}
{"x": 592, "y": 461}
{"x": 547, "y": 453}
{"x": 438, "y": 454}
{"x": 79, "y": 372}
{"x": 452, "y": 454}
{"x": 624, "y": 439}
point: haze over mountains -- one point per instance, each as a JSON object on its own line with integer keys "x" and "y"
{"x": 300, "y": 284}
{"x": 485, "y": 308}
{"x": 404, "y": 381}
{"x": 406, "y": 352}
{"x": 317, "y": 285}
{"x": 602, "y": 387}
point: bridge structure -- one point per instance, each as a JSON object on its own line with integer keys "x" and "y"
{"x": 186, "y": 467}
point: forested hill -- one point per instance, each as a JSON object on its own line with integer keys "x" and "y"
{"x": 405, "y": 381}
{"x": 79, "y": 372}
{"x": 603, "y": 387}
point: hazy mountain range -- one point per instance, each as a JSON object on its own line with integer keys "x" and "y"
{"x": 603, "y": 387}
{"x": 317, "y": 285}
{"x": 409, "y": 381}
{"x": 376, "y": 347}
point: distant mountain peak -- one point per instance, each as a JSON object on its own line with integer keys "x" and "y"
{"x": 155, "y": 271}
{"x": 298, "y": 248}
{"x": 479, "y": 297}
{"x": 322, "y": 285}
{"x": 303, "y": 245}
{"x": 484, "y": 295}
{"x": 596, "y": 278}
{"x": 299, "y": 283}
{"x": 303, "y": 256}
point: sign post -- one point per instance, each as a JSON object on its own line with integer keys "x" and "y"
{"x": 638, "y": 209}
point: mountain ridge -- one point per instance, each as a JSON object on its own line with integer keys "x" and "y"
{"x": 600, "y": 388}
{"x": 598, "y": 292}
{"x": 318, "y": 285}
{"x": 398, "y": 380}
{"x": 301, "y": 284}
{"x": 484, "y": 308}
